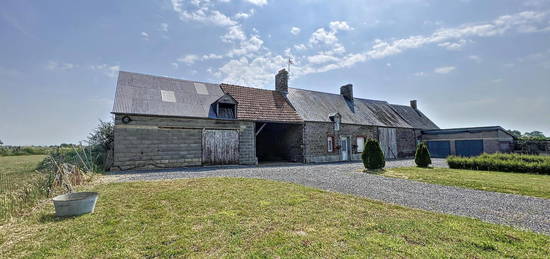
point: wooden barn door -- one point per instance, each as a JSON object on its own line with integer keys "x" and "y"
{"x": 388, "y": 142}
{"x": 220, "y": 147}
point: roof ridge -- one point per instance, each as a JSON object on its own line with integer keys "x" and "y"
{"x": 165, "y": 77}
{"x": 362, "y": 99}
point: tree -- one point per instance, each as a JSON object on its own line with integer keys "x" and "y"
{"x": 1, "y": 143}
{"x": 422, "y": 156}
{"x": 515, "y": 133}
{"x": 534, "y": 134}
{"x": 372, "y": 155}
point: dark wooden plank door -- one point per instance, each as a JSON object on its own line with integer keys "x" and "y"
{"x": 220, "y": 147}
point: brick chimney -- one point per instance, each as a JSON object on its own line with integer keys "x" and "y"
{"x": 413, "y": 104}
{"x": 347, "y": 91}
{"x": 281, "y": 81}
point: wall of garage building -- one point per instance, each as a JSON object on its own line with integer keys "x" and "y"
{"x": 493, "y": 141}
{"x": 149, "y": 142}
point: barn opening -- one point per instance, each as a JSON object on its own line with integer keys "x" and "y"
{"x": 279, "y": 142}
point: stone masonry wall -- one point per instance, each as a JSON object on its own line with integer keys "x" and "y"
{"x": 149, "y": 142}
{"x": 406, "y": 142}
{"x": 315, "y": 140}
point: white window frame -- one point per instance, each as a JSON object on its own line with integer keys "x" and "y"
{"x": 360, "y": 148}
{"x": 330, "y": 144}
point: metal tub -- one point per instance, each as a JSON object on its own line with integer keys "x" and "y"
{"x": 74, "y": 204}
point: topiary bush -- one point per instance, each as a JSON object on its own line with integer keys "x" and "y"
{"x": 422, "y": 156}
{"x": 372, "y": 155}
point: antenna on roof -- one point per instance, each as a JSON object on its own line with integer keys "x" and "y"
{"x": 289, "y": 63}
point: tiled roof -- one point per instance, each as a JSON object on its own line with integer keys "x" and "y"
{"x": 261, "y": 105}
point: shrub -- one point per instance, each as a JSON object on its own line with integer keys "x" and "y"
{"x": 372, "y": 155}
{"x": 422, "y": 155}
{"x": 503, "y": 162}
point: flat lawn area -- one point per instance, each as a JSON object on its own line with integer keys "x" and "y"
{"x": 18, "y": 171}
{"x": 516, "y": 183}
{"x": 250, "y": 217}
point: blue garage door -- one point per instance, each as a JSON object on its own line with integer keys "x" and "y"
{"x": 469, "y": 147}
{"x": 439, "y": 149}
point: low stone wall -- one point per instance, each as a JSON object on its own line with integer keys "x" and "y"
{"x": 149, "y": 142}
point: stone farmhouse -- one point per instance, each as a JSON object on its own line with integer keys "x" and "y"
{"x": 164, "y": 122}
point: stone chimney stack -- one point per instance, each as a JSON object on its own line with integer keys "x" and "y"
{"x": 347, "y": 91}
{"x": 413, "y": 104}
{"x": 281, "y": 81}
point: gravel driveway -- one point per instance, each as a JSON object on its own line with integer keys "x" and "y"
{"x": 515, "y": 210}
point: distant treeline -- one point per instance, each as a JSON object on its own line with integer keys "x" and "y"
{"x": 31, "y": 150}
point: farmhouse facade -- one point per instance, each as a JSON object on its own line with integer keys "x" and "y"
{"x": 163, "y": 122}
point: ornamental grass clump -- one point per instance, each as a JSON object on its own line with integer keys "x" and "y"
{"x": 503, "y": 162}
{"x": 422, "y": 156}
{"x": 372, "y": 156}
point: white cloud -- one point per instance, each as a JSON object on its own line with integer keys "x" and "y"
{"x": 244, "y": 15}
{"x": 475, "y": 58}
{"x": 321, "y": 59}
{"x": 444, "y": 70}
{"x": 419, "y": 74}
{"x": 340, "y": 26}
{"x": 110, "y": 71}
{"x": 145, "y": 35}
{"x": 295, "y": 30}
{"x": 174, "y": 65}
{"x": 523, "y": 22}
{"x": 234, "y": 33}
{"x": 164, "y": 27}
{"x": 188, "y": 59}
{"x": 300, "y": 47}
{"x": 211, "y": 56}
{"x": 323, "y": 36}
{"x": 453, "y": 45}
{"x": 257, "y": 2}
{"x": 202, "y": 13}
{"x": 54, "y": 65}
{"x": 252, "y": 44}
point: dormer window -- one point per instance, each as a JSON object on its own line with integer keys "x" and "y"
{"x": 336, "y": 118}
{"x": 226, "y": 107}
{"x": 226, "y": 111}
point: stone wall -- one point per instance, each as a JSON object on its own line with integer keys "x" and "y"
{"x": 406, "y": 142}
{"x": 149, "y": 142}
{"x": 315, "y": 140}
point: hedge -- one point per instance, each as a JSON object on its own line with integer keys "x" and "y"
{"x": 503, "y": 162}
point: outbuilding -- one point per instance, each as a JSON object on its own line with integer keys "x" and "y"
{"x": 468, "y": 141}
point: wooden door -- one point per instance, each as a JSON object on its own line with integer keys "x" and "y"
{"x": 220, "y": 147}
{"x": 344, "y": 149}
{"x": 388, "y": 142}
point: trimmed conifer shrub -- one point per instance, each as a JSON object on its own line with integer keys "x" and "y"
{"x": 372, "y": 155}
{"x": 422, "y": 156}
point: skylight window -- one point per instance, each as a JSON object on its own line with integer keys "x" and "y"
{"x": 201, "y": 89}
{"x": 168, "y": 96}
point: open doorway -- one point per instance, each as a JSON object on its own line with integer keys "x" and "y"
{"x": 279, "y": 142}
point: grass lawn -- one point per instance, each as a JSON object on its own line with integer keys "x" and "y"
{"x": 19, "y": 184}
{"x": 249, "y": 217}
{"x": 18, "y": 171}
{"x": 516, "y": 183}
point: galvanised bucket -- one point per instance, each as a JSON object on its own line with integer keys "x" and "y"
{"x": 74, "y": 204}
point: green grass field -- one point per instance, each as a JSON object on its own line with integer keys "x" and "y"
{"x": 19, "y": 183}
{"x": 18, "y": 171}
{"x": 516, "y": 183}
{"x": 248, "y": 217}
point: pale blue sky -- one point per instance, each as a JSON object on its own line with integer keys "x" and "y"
{"x": 469, "y": 63}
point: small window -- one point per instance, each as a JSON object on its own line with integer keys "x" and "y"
{"x": 360, "y": 144}
{"x": 330, "y": 144}
{"x": 337, "y": 125}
